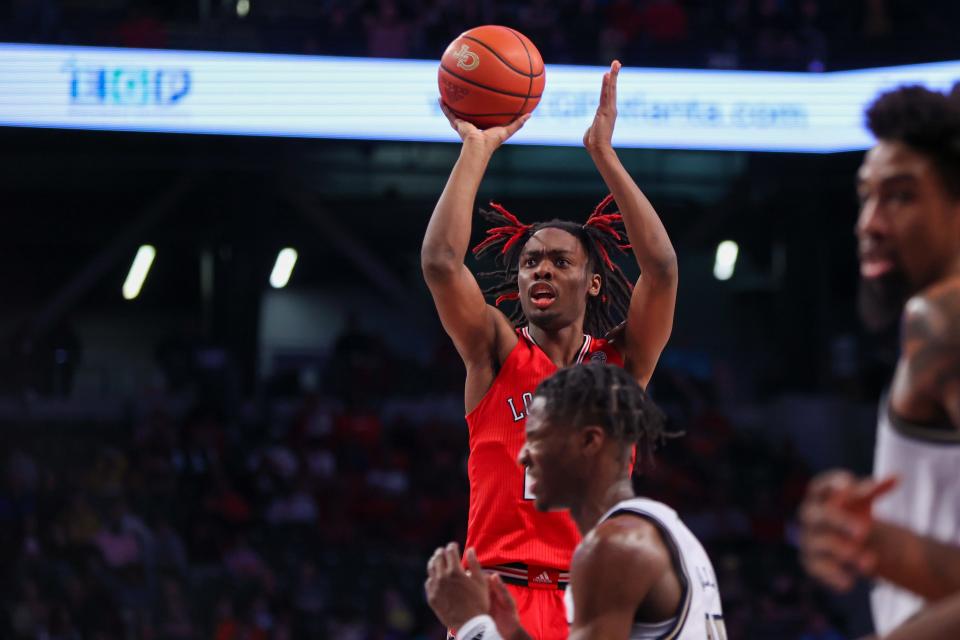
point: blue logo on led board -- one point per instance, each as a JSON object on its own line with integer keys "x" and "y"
{"x": 119, "y": 85}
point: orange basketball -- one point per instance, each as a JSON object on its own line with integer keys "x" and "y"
{"x": 491, "y": 75}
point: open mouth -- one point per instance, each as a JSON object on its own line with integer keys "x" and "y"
{"x": 874, "y": 264}
{"x": 542, "y": 295}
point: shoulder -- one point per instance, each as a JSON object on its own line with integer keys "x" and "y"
{"x": 933, "y": 316}
{"x": 625, "y": 543}
{"x": 927, "y": 381}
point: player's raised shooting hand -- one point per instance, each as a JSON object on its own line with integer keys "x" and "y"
{"x": 836, "y": 520}
{"x": 490, "y": 138}
{"x": 599, "y": 134}
{"x": 454, "y": 594}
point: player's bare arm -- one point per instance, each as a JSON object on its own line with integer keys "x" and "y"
{"x": 917, "y": 563}
{"x": 622, "y": 567}
{"x": 941, "y": 620}
{"x": 926, "y": 386}
{"x": 480, "y": 333}
{"x": 650, "y": 317}
{"x": 841, "y": 540}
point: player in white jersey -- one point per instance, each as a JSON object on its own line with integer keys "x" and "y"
{"x": 700, "y": 614}
{"x": 908, "y": 233}
{"x": 639, "y": 573}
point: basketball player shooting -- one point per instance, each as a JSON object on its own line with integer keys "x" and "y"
{"x": 908, "y": 232}
{"x": 639, "y": 572}
{"x": 574, "y": 304}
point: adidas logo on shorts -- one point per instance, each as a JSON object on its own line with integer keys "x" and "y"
{"x": 543, "y": 578}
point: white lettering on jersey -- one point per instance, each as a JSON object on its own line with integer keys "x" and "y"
{"x": 527, "y": 398}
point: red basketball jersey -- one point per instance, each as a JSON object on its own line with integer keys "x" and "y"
{"x": 504, "y": 526}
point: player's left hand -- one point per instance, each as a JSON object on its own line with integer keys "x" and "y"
{"x": 454, "y": 594}
{"x": 600, "y": 132}
{"x": 503, "y": 610}
{"x": 836, "y": 524}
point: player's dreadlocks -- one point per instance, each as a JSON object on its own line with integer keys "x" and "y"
{"x": 606, "y": 395}
{"x": 927, "y": 121}
{"x": 602, "y": 235}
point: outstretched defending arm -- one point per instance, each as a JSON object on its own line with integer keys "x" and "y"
{"x": 650, "y": 317}
{"x": 470, "y": 322}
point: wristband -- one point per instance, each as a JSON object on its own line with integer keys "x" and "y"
{"x": 480, "y": 627}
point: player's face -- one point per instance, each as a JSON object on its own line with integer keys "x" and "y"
{"x": 547, "y": 455}
{"x": 554, "y": 279}
{"x": 908, "y": 230}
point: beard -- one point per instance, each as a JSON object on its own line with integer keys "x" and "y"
{"x": 880, "y": 301}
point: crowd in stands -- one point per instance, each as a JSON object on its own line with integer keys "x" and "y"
{"x": 311, "y": 515}
{"x": 794, "y": 35}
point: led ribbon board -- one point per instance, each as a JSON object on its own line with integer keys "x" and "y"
{"x": 367, "y": 98}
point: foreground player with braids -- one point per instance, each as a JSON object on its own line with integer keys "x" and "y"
{"x": 639, "y": 572}
{"x": 565, "y": 281}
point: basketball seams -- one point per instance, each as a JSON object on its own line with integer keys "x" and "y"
{"x": 457, "y": 112}
{"x": 523, "y": 43}
{"x": 487, "y": 105}
{"x": 530, "y": 77}
{"x": 526, "y": 96}
{"x": 506, "y": 62}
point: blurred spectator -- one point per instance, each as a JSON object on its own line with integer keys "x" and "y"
{"x": 319, "y": 525}
{"x": 799, "y": 35}
{"x": 244, "y": 563}
{"x": 170, "y": 552}
{"x": 176, "y": 621}
{"x": 141, "y": 28}
{"x": 81, "y": 522}
{"x": 118, "y": 540}
{"x": 296, "y": 507}
{"x": 876, "y": 23}
{"x": 389, "y": 34}
{"x": 36, "y": 19}
{"x": 28, "y": 614}
{"x": 663, "y": 22}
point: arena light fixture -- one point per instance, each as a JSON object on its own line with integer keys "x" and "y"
{"x": 138, "y": 271}
{"x": 283, "y": 267}
{"x": 243, "y": 8}
{"x": 726, "y": 260}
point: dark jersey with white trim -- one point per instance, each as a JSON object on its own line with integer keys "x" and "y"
{"x": 700, "y": 616}
{"x": 504, "y": 526}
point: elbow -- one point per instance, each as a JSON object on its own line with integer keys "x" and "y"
{"x": 438, "y": 264}
{"x": 664, "y": 268}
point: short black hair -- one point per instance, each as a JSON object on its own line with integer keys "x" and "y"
{"x": 608, "y": 396}
{"x": 927, "y": 121}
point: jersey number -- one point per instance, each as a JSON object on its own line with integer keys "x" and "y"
{"x": 716, "y": 630}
